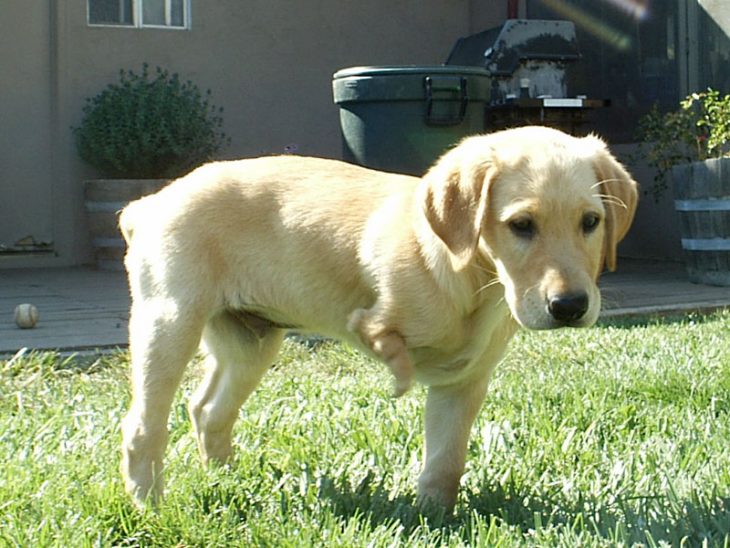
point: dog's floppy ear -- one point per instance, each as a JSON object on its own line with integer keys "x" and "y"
{"x": 619, "y": 193}
{"x": 455, "y": 200}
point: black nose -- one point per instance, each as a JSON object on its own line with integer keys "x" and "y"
{"x": 568, "y": 307}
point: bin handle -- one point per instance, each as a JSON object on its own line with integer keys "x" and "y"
{"x": 445, "y": 84}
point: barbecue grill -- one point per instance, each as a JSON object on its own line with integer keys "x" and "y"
{"x": 529, "y": 60}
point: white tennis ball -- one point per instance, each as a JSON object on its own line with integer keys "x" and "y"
{"x": 26, "y": 316}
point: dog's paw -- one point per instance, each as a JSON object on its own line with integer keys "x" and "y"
{"x": 438, "y": 491}
{"x": 401, "y": 386}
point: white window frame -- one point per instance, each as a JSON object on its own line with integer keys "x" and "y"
{"x": 138, "y": 17}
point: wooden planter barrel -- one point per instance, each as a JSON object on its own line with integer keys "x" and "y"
{"x": 702, "y": 201}
{"x": 103, "y": 200}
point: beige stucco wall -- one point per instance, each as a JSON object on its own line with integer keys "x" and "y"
{"x": 269, "y": 64}
{"x": 25, "y": 121}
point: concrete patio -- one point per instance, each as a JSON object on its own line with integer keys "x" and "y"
{"x": 82, "y": 309}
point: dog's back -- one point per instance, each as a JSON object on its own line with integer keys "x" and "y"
{"x": 262, "y": 232}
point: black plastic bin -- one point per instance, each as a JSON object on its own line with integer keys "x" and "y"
{"x": 402, "y": 118}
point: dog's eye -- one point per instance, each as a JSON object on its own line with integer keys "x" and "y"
{"x": 523, "y": 227}
{"x": 590, "y": 222}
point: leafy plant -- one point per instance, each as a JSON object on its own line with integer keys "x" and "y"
{"x": 699, "y": 129}
{"x": 149, "y": 126}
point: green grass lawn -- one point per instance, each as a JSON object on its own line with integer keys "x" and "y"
{"x": 614, "y": 435}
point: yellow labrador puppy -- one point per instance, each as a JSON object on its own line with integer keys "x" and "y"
{"x": 430, "y": 275}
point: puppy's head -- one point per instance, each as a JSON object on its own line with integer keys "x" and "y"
{"x": 546, "y": 208}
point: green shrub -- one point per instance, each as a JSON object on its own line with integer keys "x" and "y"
{"x": 149, "y": 126}
{"x": 699, "y": 129}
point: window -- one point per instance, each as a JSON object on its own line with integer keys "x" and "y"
{"x": 140, "y": 13}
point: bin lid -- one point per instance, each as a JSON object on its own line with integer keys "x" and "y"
{"x": 410, "y": 70}
{"x": 405, "y": 82}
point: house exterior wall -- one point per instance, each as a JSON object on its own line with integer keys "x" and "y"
{"x": 25, "y": 121}
{"x": 269, "y": 64}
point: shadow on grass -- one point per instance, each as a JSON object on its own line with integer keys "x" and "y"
{"x": 370, "y": 500}
{"x": 627, "y": 520}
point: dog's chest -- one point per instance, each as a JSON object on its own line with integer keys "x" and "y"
{"x": 482, "y": 346}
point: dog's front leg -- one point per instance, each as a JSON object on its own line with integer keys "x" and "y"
{"x": 387, "y": 344}
{"x": 450, "y": 413}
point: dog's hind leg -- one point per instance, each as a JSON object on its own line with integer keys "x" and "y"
{"x": 163, "y": 339}
{"x": 240, "y": 352}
